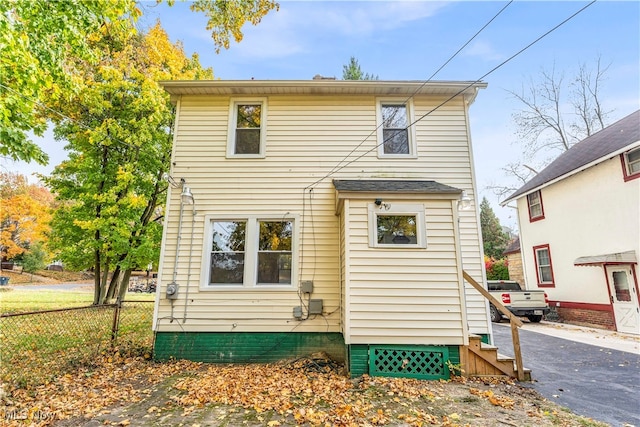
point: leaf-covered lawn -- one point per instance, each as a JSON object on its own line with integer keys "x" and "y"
{"x": 134, "y": 391}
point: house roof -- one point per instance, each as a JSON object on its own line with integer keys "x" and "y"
{"x": 399, "y": 186}
{"x": 600, "y": 146}
{"x": 321, "y": 87}
{"x": 514, "y": 247}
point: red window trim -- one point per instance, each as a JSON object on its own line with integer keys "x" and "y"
{"x": 539, "y": 217}
{"x": 625, "y": 169}
{"x": 552, "y": 284}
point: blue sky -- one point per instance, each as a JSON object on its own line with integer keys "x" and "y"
{"x": 411, "y": 40}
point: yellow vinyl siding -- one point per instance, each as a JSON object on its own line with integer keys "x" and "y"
{"x": 400, "y": 292}
{"x": 306, "y": 137}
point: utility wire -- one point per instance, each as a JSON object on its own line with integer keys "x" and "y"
{"x": 337, "y": 169}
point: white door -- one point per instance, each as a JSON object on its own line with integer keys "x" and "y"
{"x": 624, "y": 298}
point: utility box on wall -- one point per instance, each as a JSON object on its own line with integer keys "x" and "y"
{"x": 315, "y": 306}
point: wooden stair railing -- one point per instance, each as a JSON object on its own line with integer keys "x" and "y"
{"x": 514, "y": 321}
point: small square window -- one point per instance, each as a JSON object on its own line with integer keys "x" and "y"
{"x": 536, "y": 210}
{"x": 247, "y": 129}
{"x": 399, "y": 226}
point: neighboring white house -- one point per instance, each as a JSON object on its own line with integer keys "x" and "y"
{"x": 580, "y": 229}
{"x": 325, "y": 216}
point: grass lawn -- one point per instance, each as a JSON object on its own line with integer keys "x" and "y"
{"x": 22, "y": 299}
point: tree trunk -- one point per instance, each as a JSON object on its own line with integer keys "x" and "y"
{"x": 103, "y": 282}
{"x": 124, "y": 284}
{"x": 96, "y": 276}
{"x": 113, "y": 284}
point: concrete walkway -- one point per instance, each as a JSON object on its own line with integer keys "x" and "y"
{"x": 587, "y": 335}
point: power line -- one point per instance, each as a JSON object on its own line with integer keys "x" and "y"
{"x": 337, "y": 166}
{"x": 337, "y": 169}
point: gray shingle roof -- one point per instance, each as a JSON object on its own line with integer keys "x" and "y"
{"x": 403, "y": 186}
{"x": 598, "y": 146}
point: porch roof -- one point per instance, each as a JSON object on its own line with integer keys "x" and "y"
{"x": 400, "y": 186}
{"x": 628, "y": 257}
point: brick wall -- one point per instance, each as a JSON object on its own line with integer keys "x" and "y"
{"x": 586, "y": 317}
{"x": 516, "y": 273}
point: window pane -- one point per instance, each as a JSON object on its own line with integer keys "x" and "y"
{"x": 535, "y": 205}
{"x": 396, "y": 141}
{"x": 621, "y": 285}
{"x": 275, "y": 236}
{"x": 543, "y": 257}
{"x": 228, "y": 236}
{"x": 227, "y": 268}
{"x": 545, "y": 274}
{"x": 396, "y": 229}
{"x": 394, "y": 116}
{"x": 247, "y": 141}
{"x": 227, "y": 252}
{"x": 633, "y": 158}
{"x": 248, "y": 116}
{"x": 274, "y": 267}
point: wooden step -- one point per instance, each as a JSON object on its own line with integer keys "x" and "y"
{"x": 482, "y": 359}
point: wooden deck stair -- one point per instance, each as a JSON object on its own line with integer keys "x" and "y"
{"x": 484, "y": 360}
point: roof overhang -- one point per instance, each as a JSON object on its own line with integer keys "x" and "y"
{"x": 177, "y": 88}
{"x": 628, "y": 257}
{"x": 363, "y": 189}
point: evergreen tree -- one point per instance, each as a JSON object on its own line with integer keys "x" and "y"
{"x": 494, "y": 238}
{"x": 352, "y": 71}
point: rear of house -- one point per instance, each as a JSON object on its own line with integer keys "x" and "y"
{"x": 325, "y": 217}
{"x": 580, "y": 229}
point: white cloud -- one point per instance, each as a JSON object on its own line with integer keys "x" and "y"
{"x": 483, "y": 50}
{"x": 298, "y": 26}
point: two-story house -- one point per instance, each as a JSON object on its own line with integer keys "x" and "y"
{"x": 580, "y": 229}
{"x": 321, "y": 215}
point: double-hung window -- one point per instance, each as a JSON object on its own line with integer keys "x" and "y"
{"x": 631, "y": 164}
{"x": 544, "y": 269}
{"x": 396, "y": 136}
{"x": 247, "y": 128}
{"x": 536, "y": 210}
{"x": 251, "y": 252}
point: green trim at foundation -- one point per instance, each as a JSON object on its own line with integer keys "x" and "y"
{"x": 245, "y": 347}
{"x": 361, "y": 360}
{"x": 485, "y": 338}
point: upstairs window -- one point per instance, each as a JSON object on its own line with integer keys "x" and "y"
{"x": 395, "y": 136}
{"x": 536, "y": 210}
{"x": 631, "y": 164}
{"x": 544, "y": 269}
{"x": 247, "y": 128}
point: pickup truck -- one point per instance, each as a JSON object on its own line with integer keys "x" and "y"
{"x": 530, "y": 304}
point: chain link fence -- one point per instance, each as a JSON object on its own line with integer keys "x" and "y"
{"x": 38, "y": 346}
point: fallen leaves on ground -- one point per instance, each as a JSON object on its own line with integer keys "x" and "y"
{"x": 123, "y": 391}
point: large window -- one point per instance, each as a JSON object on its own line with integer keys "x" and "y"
{"x": 544, "y": 268}
{"x": 536, "y": 210}
{"x": 395, "y": 135}
{"x": 247, "y": 128}
{"x": 251, "y": 252}
{"x": 398, "y": 226}
{"x": 631, "y": 164}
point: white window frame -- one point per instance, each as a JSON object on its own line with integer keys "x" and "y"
{"x": 233, "y": 119}
{"x": 251, "y": 253}
{"x": 397, "y": 209}
{"x": 411, "y": 130}
{"x": 530, "y": 205}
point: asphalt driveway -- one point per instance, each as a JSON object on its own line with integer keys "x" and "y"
{"x": 591, "y": 380}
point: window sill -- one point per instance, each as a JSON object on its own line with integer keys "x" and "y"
{"x": 242, "y": 288}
